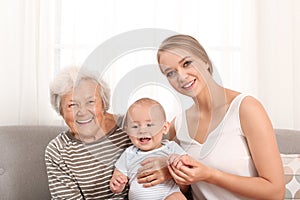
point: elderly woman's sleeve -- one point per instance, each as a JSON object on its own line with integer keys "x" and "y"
{"x": 61, "y": 184}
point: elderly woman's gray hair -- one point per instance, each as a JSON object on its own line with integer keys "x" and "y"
{"x": 68, "y": 78}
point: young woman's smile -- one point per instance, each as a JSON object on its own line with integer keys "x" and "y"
{"x": 182, "y": 72}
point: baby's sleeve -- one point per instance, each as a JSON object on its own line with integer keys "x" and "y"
{"x": 176, "y": 149}
{"x": 121, "y": 163}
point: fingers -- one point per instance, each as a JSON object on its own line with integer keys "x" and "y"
{"x": 154, "y": 178}
{"x": 180, "y": 160}
{"x": 122, "y": 180}
{"x": 153, "y": 166}
{"x": 114, "y": 186}
{"x": 147, "y": 161}
{"x": 118, "y": 184}
{"x": 143, "y": 173}
{"x": 147, "y": 167}
{"x": 146, "y": 179}
{"x": 179, "y": 168}
{"x": 154, "y": 163}
{"x": 151, "y": 183}
{"x": 179, "y": 176}
{"x": 189, "y": 161}
{"x": 153, "y": 171}
{"x": 175, "y": 161}
{"x": 173, "y": 158}
{"x": 117, "y": 181}
{"x": 187, "y": 170}
{"x": 183, "y": 168}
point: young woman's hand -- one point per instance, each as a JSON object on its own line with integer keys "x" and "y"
{"x": 185, "y": 170}
{"x": 153, "y": 171}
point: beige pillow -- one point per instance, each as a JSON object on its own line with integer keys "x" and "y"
{"x": 291, "y": 164}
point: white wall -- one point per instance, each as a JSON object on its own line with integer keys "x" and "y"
{"x": 296, "y": 56}
{"x": 270, "y": 60}
{"x": 24, "y": 59}
{"x": 278, "y": 55}
{"x": 10, "y": 62}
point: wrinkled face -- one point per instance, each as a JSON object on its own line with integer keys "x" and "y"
{"x": 146, "y": 126}
{"x": 184, "y": 71}
{"x": 82, "y": 109}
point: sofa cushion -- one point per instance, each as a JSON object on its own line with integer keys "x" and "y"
{"x": 291, "y": 164}
{"x": 22, "y": 166}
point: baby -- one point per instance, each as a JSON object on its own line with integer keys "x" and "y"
{"x": 145, "y": 124}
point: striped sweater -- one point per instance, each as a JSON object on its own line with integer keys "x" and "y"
{"x": 82, "y": 171}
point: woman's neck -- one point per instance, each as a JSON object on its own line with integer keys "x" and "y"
{"x": 107, "y": 123}
{"x": 212, "y": 97}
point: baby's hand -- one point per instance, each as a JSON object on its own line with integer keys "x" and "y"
{"x": 174, "y": 160}
{"x": 118, "y": 182}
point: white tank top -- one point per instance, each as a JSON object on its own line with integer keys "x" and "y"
{"x": 225, "y": 149}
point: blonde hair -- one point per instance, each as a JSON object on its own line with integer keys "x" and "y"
{"x": 188, "y": 44}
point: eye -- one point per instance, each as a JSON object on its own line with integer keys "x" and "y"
{"x": 171, "y": 74}
{"x": 134, "y": 126}
{"x": 72, "y": 105}
{"x": 150, "y": 125}
{"x": 91, "y": 102}
{"x": 187, "y": 63}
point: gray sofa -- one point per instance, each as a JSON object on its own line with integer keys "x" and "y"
{"x": 22, "y": 168}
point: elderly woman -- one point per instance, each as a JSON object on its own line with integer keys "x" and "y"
{"x": 80, "y": 161}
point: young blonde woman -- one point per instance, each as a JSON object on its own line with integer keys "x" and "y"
{"x": 230, "y": 140}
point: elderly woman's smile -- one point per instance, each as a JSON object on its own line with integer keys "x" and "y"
{"x": 84, "y": 121}
{"x": 82, "y": 109}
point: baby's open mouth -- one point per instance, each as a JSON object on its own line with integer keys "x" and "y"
{"x": 144, "y": 139}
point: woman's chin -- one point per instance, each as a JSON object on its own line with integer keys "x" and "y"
{"x": 87, "y": 131}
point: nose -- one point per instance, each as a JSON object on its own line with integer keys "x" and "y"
{"x": 143, "y": 129}
{"x": 82, "y": 110}
{"x": 182, "y": 75}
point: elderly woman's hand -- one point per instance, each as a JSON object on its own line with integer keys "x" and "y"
{"x": 154, "y": 171}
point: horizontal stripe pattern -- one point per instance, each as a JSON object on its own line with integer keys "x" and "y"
{"x": 83, "y": 171}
